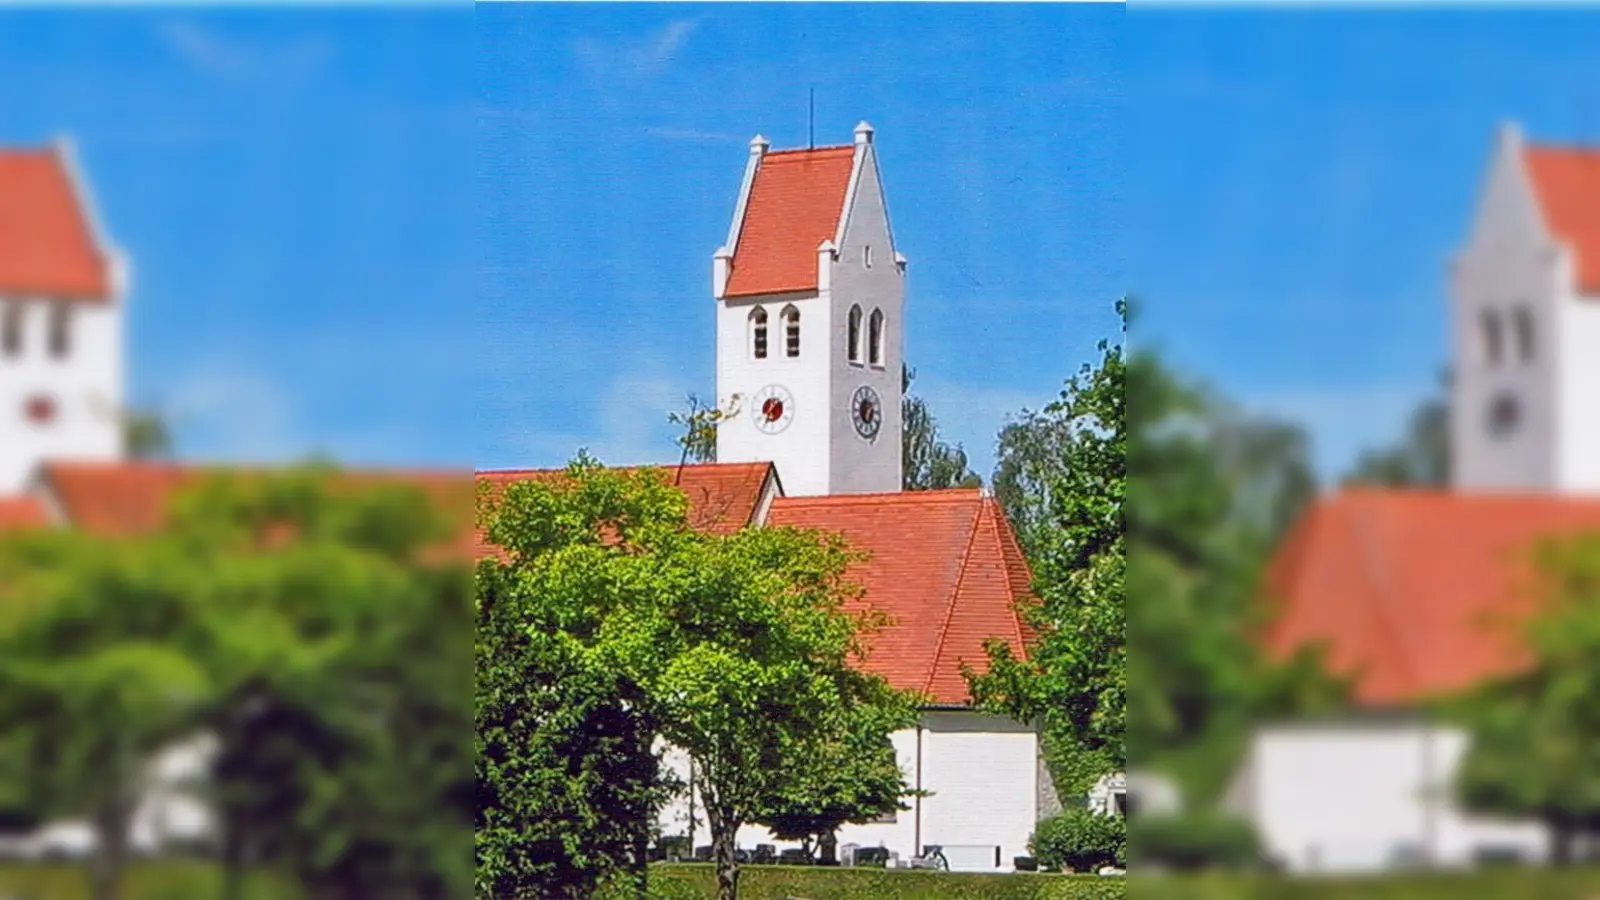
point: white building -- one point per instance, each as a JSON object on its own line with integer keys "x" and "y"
{"x": 63, "y": 287}
{"x": 1402, "y": 586}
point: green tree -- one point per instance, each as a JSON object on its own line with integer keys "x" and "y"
{"x": 92, "y": 685}
{"x": 1421, "y": 458}
{"x": 1213, "y": 491}
{"x": 145, "y": 435}
{"x": 853, "y": 777}
{"x": 927, "y": 463}
{"x": 307, "y": 613}
{"x": 1070, "y": 489}
{"x": 699, "y": 422}
{"x": 735, "y": 647}
{"x": 1535, "y": 735}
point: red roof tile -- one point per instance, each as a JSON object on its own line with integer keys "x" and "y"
{"x": 117, "y": 499}
{"x": 21, "y": 512}
{"x": 1412, "y": 592}
{"x": 722, "y": 496}
{"x": 944, "y": 566}
{"x": 795, "y": 203}
{"x": 46, "y": 247}
{"x": 1567, "y": 182}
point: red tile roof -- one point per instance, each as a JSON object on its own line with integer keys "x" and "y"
{"x": 1413, "y": 592}
{"x": 46, "y": 246}
{"x": 1567, "y": 182}
{"x": 795, "y": 203}
{"x": 723, "y": 497}
{"x": 946, "y": 568}
{"x": 21, "y": 512}
{"x": 117, "y": 499}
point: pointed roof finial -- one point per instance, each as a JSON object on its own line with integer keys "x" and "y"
{"x": 758, "y": 146}
{"x": 863, "y": 133}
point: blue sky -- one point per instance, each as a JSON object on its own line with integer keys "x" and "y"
{"x": 1298, "y": 180}
{"x": 294, "y": 190}
{"x": 611, "y": 143}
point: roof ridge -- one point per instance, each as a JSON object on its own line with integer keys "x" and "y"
{"x": 991, "y": 506}
{"x": 955, "y": 597}
{"x": 1367, "y": 554}
{"x": 795, "y": 151}
{"x": 946, "y": 495}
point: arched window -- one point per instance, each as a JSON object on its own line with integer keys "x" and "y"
{"x": 1493, "y": 338}
{"x": 791, "y": 332}
{"x": 855, "y": 334}
{"x": 60, "y": 330}
{"x": 11, "y": 329}
{"x": 758, "y": 333}
{"x": 875, "y": 338}
{"x": 1522, "y": 324}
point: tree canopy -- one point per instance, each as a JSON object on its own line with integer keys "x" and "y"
{"x": 734, "y": 648}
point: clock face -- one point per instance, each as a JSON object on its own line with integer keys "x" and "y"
{"x": 866, "y": 412}
{"x": 1505, "y": 414}
{"x": 772, "y": 409}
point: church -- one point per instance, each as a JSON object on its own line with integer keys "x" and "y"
{"x": 1402, "y": 587}
{"x": 810, "y": 294}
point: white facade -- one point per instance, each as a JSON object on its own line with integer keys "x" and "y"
{"x": 62, "y": 406}
{"x": 987, "y": 789}
{"x": 819, "y": 449}
{"x": 1365, "y": 796}
{"x": 1525, "y": 344}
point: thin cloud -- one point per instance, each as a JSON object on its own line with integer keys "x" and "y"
{"x": 210, "y": 53}
{"x": 640, "y": 57}
{"x": 690, "y": 134}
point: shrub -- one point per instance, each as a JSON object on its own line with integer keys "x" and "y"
{"x": 1080, "y": 840}
{"x": 1195, "y": 840}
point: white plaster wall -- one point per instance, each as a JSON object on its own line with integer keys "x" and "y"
{"x": 1357, "y": 797}
{"x": 858, "y": 465}
{"x": 1509, "y": 260}
{"x": 801, "y": 450}
{"x": 982, "y": 772}
{"x": 86, "y": 387}
{"x": 1578, "y": 395}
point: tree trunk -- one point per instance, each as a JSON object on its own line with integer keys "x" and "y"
{"x": 111, "y": 852}
{"x": 232, "y": 859}
{"x": 724, "y": 830}
{"x": 641, "y": 857}
{"x": 1562, "y": 836}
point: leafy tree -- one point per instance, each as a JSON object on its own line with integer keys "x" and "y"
{"x": 1422, "y": 456}
{"x": 302, "y": 625}
{"x": 854, "y": 777}
{"x": 927, "y": 463}
{"x": 145, "y": 435}
{"x": 1535, "y": 745}
{"x": 1075, "y": 678}
{"x": 735, "y": 647}
{"x": 699, "y": 422}
{"x": 1213, "y": 491}
{"x": 91, "y": 684}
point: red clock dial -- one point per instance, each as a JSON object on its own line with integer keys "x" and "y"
{"x": 774, "y": 409}
{"x": 40, "y": 409}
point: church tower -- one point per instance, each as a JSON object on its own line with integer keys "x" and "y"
{"x": 61, "y": 290}
{"x": 1526, "y": 335}
{"x": 810, "y": 321}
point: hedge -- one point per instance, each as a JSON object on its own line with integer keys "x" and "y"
{"x": 1498, "y": 884}
{"x": 692, "y": 881}
{"x": 164, "y": 880}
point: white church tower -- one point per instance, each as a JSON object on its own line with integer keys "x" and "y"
{"x": 1526, "y": 336}
{"x": 61, "y": 295}
{"x": 810, "y": 321}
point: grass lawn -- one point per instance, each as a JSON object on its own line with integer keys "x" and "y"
{"x": 165, "y": 880}
{"x": 1505, "y": 884}
{"x": 690, "y": 881}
